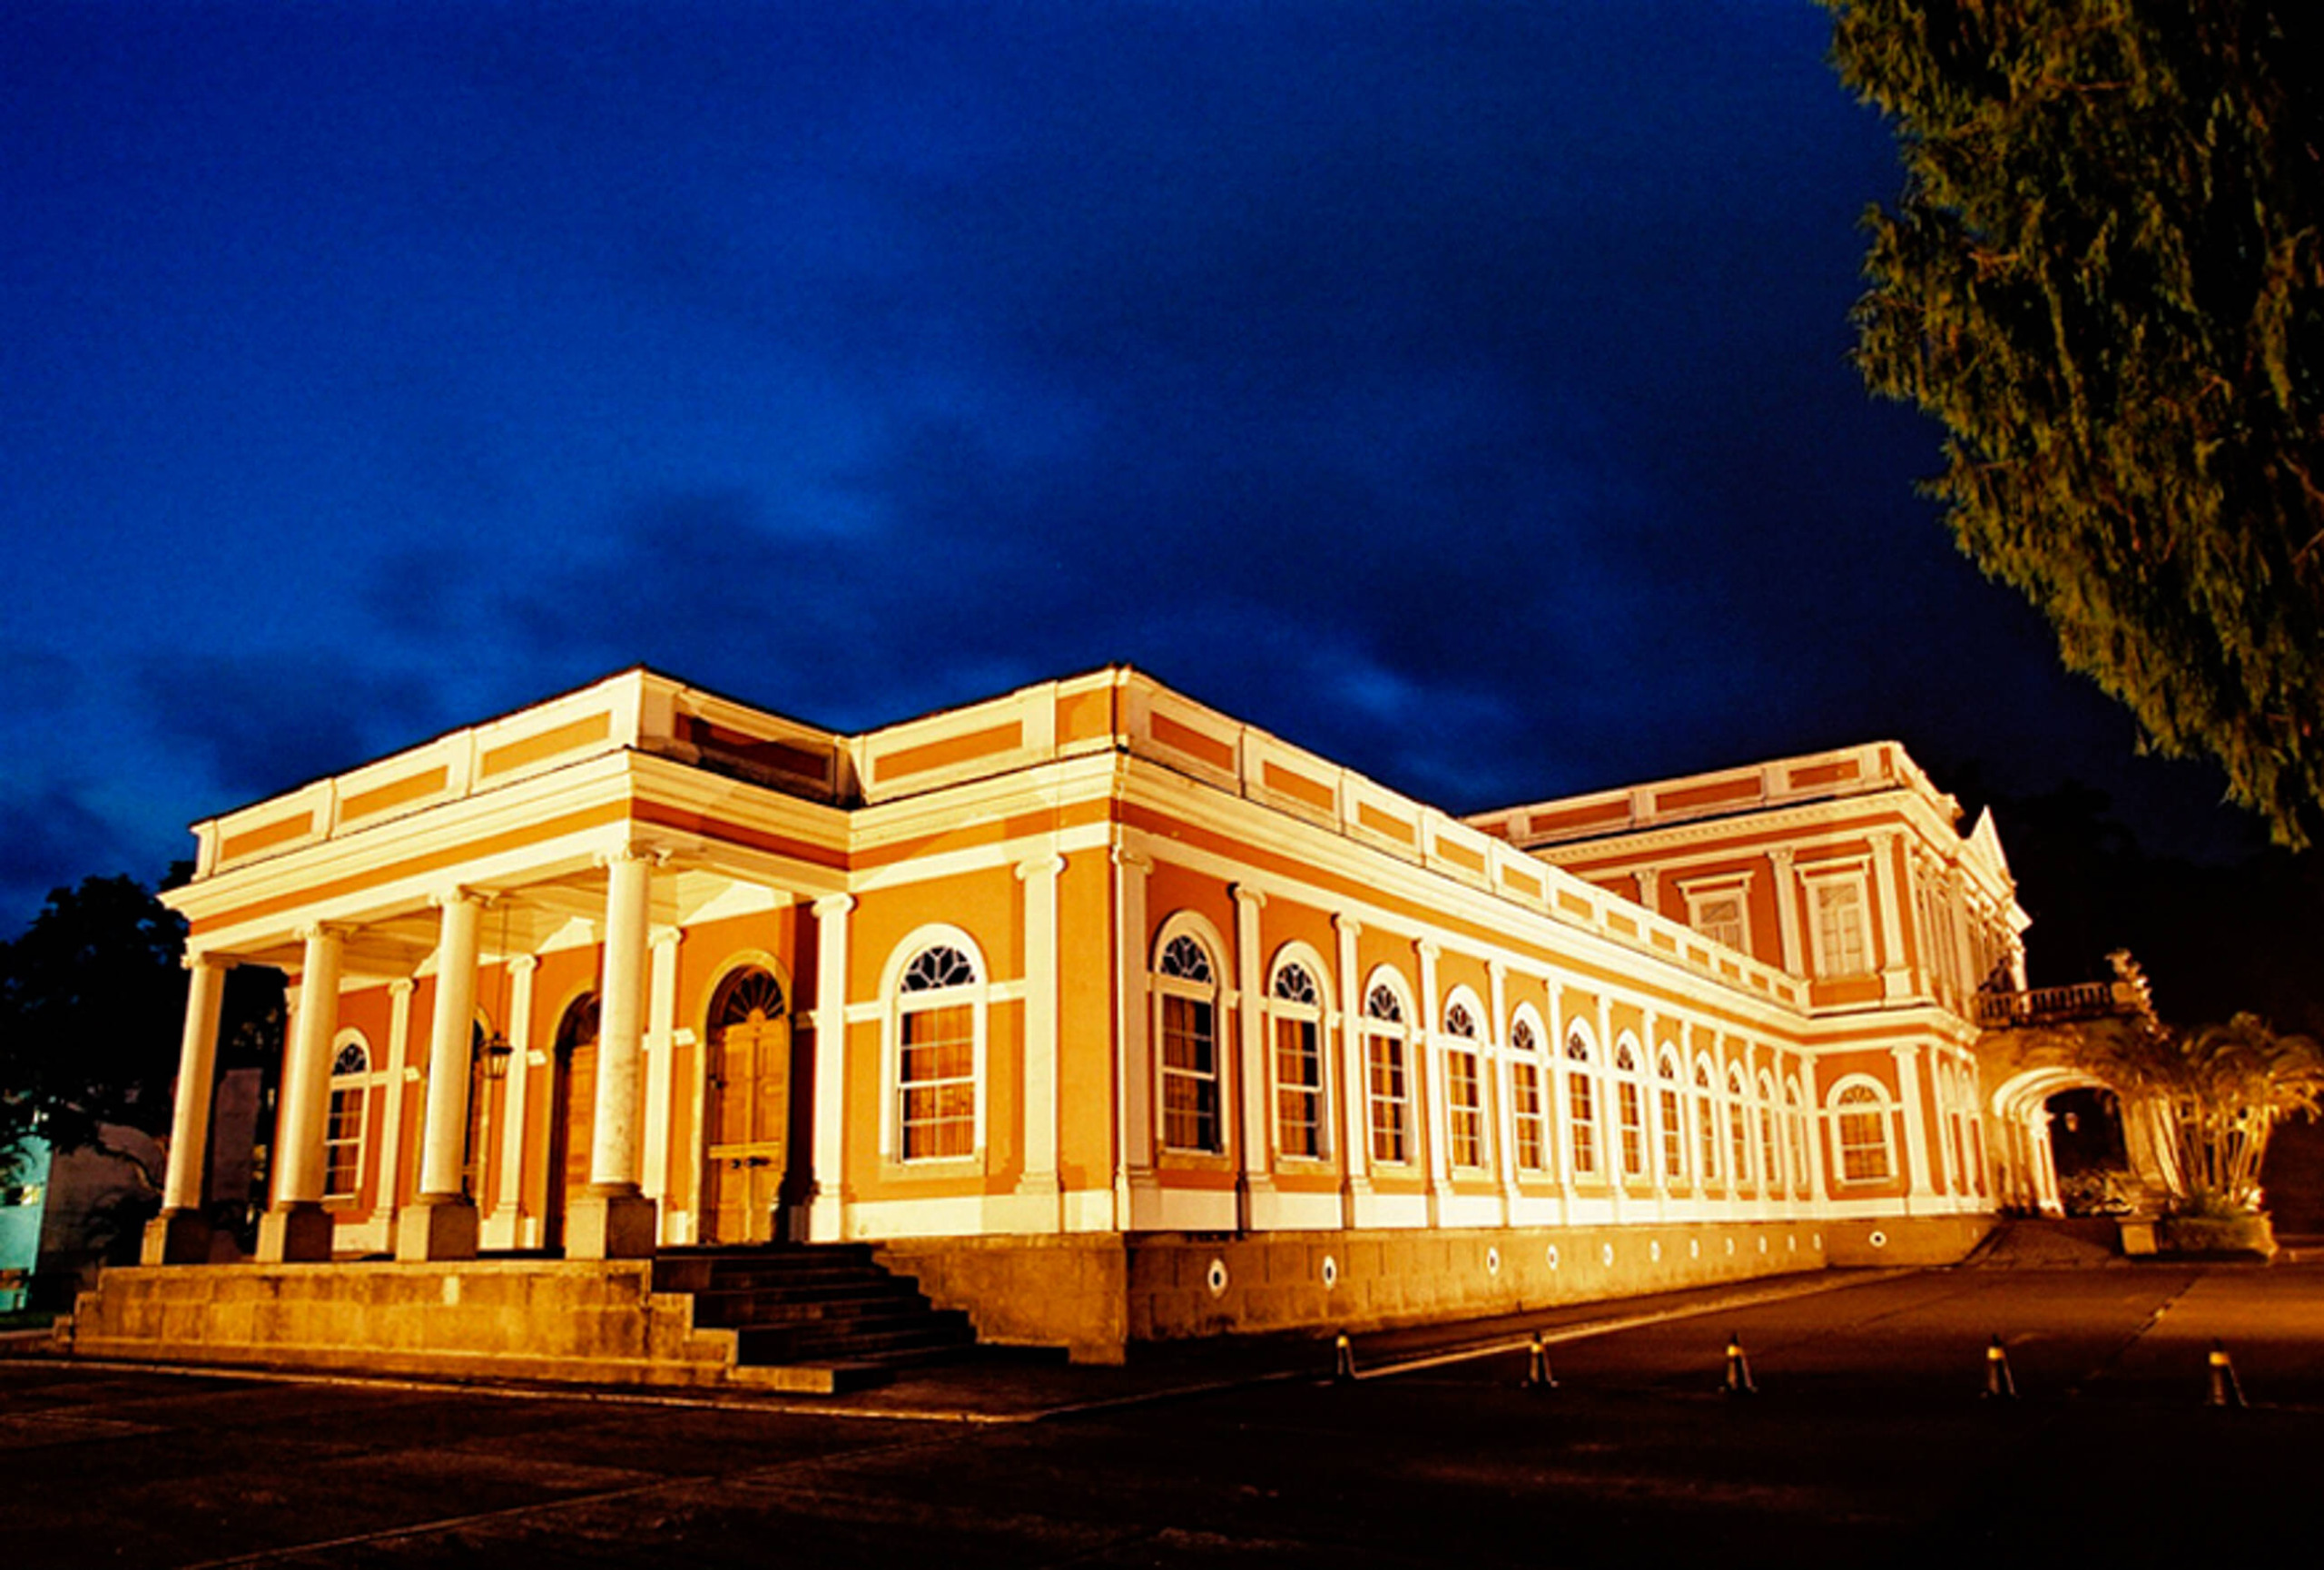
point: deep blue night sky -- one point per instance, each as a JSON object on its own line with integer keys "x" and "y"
{"x": 1457, "y": 389}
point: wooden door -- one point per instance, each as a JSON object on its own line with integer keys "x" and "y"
{"x": 573, "y": 1112}
{"x": 746, "y": 1110}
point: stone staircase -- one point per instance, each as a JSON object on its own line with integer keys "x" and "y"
{"x": 820, "y": 1317}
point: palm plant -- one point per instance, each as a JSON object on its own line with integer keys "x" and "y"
{"x": 2223, "y": 1088}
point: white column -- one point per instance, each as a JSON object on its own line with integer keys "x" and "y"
{"x": 1609, "y": 1106}
{"x": 504, "y": 1226}
{"x": 1650, "y": 1112}
{"x": 660, "y": 1039}
{"x": 295, "y": 1226}
{"x": 179, "y": 1235}
{"x": 1427, "y": 1081}
{"x": 614, "y": 1220}
{"x": 1917, "y": 1141}
{"x": 1787, "y": 909}
{"x": 1133, "y": 1074}
{"x": 1039, "y": 1184}
{"x": 1355, "y": 1083}
{"x": 441, "y": 1222}
{"x": 1250, "y": 1053}
{"x": 826, "y": 1206}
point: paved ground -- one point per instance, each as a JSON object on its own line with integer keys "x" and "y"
{"x": 1867, "y": 1440}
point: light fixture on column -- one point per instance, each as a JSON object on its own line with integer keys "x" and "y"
{"x": 493, "y": 1053}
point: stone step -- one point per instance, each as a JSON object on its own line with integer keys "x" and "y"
{"x": 937, "y": 1331}
{"x": 737, "y": 1310}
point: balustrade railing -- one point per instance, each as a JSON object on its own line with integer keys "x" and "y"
{"x": 2055, "y": 1005}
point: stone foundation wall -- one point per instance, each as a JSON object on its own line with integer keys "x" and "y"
{"x": 590, "y": 1322}
{"x": 1096, "y": 1295}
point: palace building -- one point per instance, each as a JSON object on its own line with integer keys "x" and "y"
{"x": 1098, "y": 1014}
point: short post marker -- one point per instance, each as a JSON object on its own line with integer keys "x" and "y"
{"x": 1739, "y": 1369}
{"x": 1537, "y": 1366}
{"x": 1999, "y": 1384}
{"x": 1343, "y": 1360}
{"x": 2226, "y": 1389}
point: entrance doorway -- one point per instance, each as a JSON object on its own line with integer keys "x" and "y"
{"x": 746, "y": 1110}
{"x": 572, "y": 1113}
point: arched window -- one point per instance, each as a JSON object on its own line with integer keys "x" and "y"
{"x": 1387, "y": 1069}
{"x": 351, "y": 1104}
{"x": 1185, "y": 990}
{"x": 1581, "y": 1106}
{"x": 1464, "y": 1105}
{"x": 1770, "y": 1157}
{"x": 1706, "y": 1123}
{"x": 1674, "y": 1117}
{"x": 1297, "y": 1005}
{"x": 1630, "y": 1102}
{"x": 1739, "y": 1128}
{"x": 1525, "y": 1085}
{"x": 940, "y": 1034}
{"x": 1860, "y": 1127}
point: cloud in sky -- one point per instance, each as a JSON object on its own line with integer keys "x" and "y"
{"x": 1457, "y": 391}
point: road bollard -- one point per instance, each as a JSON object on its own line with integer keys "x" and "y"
{"x": 2226, "y": 1389}
{"x": 1999, "y": 1384}
{"x": 1739, "y": 1369}
{"x": 1537, "y": 1366}
{"x": 1343, "y": 1360}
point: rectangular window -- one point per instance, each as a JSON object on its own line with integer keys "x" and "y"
{"x": 1581, "y": 1112}
{"x": 1840, "y": 947}
{"x": 1298, "y": 1087}
{"x": 939, "y": 1082}
{"x": 1719, "y": 917}
{"x": 1464, "y": 1105}
{"x": 1190, "y": 1074}
{"x": 1738, "y": 1144}
{"x": 1674, "y": 1136}
{"x": 1633, "y": 1113}
{"x": 1385, "y": 1056}
{"x": 1863, "y": 1144}
{"x": 1526, "y": 1079}
{"x": 343, "y": 1142}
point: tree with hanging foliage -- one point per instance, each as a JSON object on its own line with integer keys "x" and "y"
{"x": 2105, "y": 278}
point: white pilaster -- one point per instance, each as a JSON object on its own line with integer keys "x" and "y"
{"x": 1427, "y": 1080}
{"x": 1916, "y": 1141}
{"x": 1787, "y": 909}
{"x": 1504, "y": 1087}
{"x": 503, "y": 1225}
{"x": 1250, "y": 1049}
{"x": 1039, "y": 1182}
{"x": 658, "y": 1046}
{"x": 826, "y": 1206}
{"x": 391, "y": 1120}
{"x": 1134, "y": 1074}
{"x": 1355, "y": 1083}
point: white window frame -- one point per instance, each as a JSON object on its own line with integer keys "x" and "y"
{"x": 1188, "y": 927}
{"x": 1316, "y": 1018}
{"x": 1671, "y": 1102}
{"x": 1631, "y": 1124}
{"x": 1399, "y": 1032}
{"x": 1705, "y": 1096}
{"x": 359, "y": 1083}
{"x": 1582, "y": 1113}
{"x": 1700, "y": 892}
{"x": 1469, "y": 1044}
{"x": 1881, "y": 1106}
{"x": 1739, "y": 1126}
{"x": 976, "y": 995}
{"x": 1855, "y": 875}
{"x": 1536, "y": 1060}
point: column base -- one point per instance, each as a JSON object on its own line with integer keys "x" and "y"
{"x": 612, "y": 1222}
{"x": 176, "y": 1238}
{"x": 826, "y": 1216}
{"x": 437, "y": 1227}
{"x": 296, "y": 1233}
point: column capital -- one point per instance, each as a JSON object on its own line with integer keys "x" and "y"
{"x": 1135, "y": 860}
{"x": 452, "y": 894}
{"x": 634, "y": 851}
{"x": 831, "y": 906}
{"x": 664, "y": 937}
{"x": 1428, "y": 949}
{"x": 401, "y": 987}
{"x": 1497, "y": 970}
{"x": 205, "y": 961}
{"x": 519, "y": 965}
{"x": 315, "y": 931}
{"x": 1347, "y": 926}
{"x": 1781, "y": 856}
{"x": 1244, "y": 894}
{"x": 1041, "y": 867}
{"x": 1905, "y": 1052}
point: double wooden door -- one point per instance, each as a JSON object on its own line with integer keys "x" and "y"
{"x": 746, "y": 1113}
